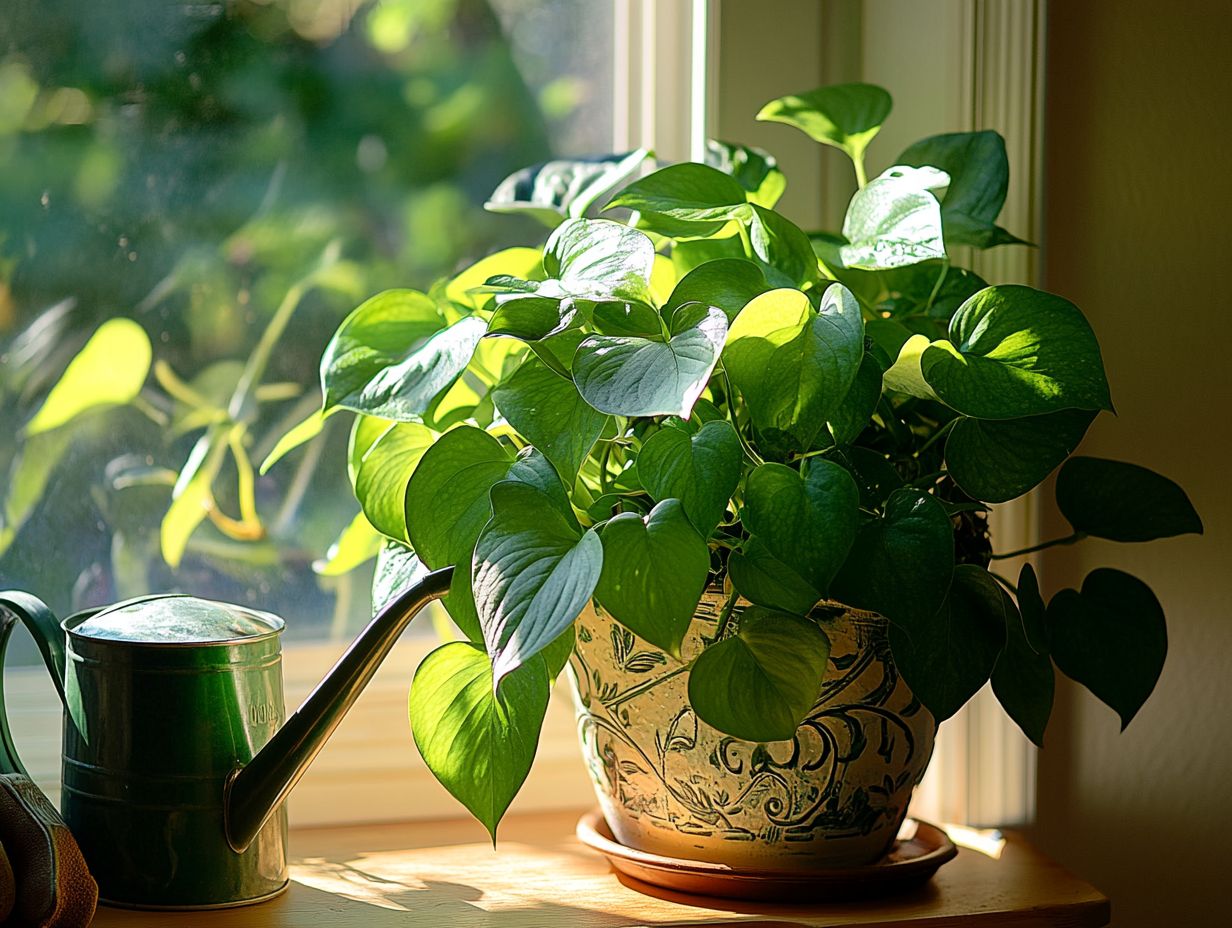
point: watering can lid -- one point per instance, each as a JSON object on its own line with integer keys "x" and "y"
{"x": 178, "y": 620}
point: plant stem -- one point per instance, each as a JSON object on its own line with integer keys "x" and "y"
{"x": 861, "y": 177}
{"x": 1067, "y": 540}
{"x": 945, "y": 269}
{"x": 725, "y": 615}
{"x": 634, "y": 692}
{"x": 731, "y": 415}
{"x": 745, "y": 240}
{"x": 936, "y": 436}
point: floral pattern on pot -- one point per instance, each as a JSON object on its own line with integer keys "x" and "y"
{"x": 668, "y": 783}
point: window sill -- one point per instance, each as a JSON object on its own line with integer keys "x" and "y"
{"x": 446, "y": 873}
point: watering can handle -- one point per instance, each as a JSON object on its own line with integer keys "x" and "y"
{"x": 17, "y": 606}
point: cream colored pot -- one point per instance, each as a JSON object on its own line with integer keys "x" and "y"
{"x": 668, "y": 783}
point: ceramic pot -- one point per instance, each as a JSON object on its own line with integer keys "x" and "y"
{"x": 668, "y": 783}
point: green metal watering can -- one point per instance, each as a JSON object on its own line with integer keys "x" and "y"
{"x": 176, "y": 759}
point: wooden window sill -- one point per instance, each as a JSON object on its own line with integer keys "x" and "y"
{"x": 434, "y": 874}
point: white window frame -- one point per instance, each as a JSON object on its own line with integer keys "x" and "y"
{"x": 674, "y": 87}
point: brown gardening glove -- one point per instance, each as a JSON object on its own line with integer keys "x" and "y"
{"x": 44, "y": 882}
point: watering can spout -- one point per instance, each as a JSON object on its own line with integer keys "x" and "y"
{"x": 255, "y": 791}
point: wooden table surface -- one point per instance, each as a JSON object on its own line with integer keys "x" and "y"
{"x": 446, "y": 875}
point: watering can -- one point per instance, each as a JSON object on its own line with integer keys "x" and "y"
{"x": 176, "y": 758}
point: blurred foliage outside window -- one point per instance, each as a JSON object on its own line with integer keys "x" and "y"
{"x": 204, "y": 190}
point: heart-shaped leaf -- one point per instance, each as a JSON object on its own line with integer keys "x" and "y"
{"x": 384, "y": 471}
{"x": 701, "y": 470}
{"x": 979, "y": 178}
{"x": 1014, "y": 351}
{"x": 630, "y": 376}
{"x": 894, "y": 221}
{"x": 784, "y": 252}
{"x": 684, "y": 200}
{"x": 447, "y": 495}
{"x": 478, "y": 741}
{"x": 900, "y": 564}
{"x": 1123, "y": 502}
{"x": 763, "y": 579}
{"x": 1023, "y": 680}
{"x": 597, "y": 259}
{"x": 548, "y": 411}
{"x": 533, "y": 574}
{"x": 1111, "y": 637}
{"x": 794, "y": 366}
{"x": 654, "y": 572}
{"x": 846, "y": 116}
{"x": 1000, "y": 459}
{"x": 562, "y": 188}
{"x": 946, "y": 655}
{"x": 759, "y": 684}
{"x": 390, "y": 356}
{"x": 755, "y": 169}
{"x": 807, "y": 521}
{"x": 728, "y": 283}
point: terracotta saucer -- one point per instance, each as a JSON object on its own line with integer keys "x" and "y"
{"x": 912, "y": 860}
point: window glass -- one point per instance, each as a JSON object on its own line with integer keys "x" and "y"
{"x": 210, "y": 171}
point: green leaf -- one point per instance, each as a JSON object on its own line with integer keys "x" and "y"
{"x": 654, "y": 572}
{"x": 759, "y": 684}
{"x": 109, "y": 371}
{"x": 979, "y": 178}
{"x": 627, "y": 318}
{"x": 785, "y": 252}
{"x": 900, "y": 564}
{"x": 466, "y": 289}
{"x": 391, "y": 357}
{"x": 998, "y": 460}
{"x": 794, "y": 366}
{"x": 846, "y": 116}
{"x": 533, "y": 573}
{"x": 32, "y": 469}
{"x": 763, "y": 579}
{"x": 358, "y": 542}
{"x": 532, "y": 468}
{"x": 597, "y": 259}
{"x": 1123, "y": 502}
{"x": 447, "y": 495}
{"x": 728, "y": 283}
{"x": 807, "y": 521}
{"x": 1111, "y": 638}
{"x": 300, "y": 433}
{"x": 894, "y": 221}
{"x": 684, "y": 200}
{"x": 531, "y": 318}
{"x": 558, "y": 189}
{"x": 1014, "y": 351}
{"x": 630, "y": 376}
{"x": 1023, "y": 680}
{"x": 854, "y": 412}
{"x": 548, "y": 411}
{"x": 946, "y": 655}
{"x": 755, "y": 169}
{"x": 478, "y": 741}
{"x": 384, "y": 471}
{"x": 398, "y": 568}
{"x": 701, "y": 470}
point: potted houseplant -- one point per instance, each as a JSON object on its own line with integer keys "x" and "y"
{"x": 736, "y": 476}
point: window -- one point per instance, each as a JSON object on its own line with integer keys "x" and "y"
{"x": 187, "y": 165}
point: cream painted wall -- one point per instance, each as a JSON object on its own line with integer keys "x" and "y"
{"x": 1138, "y": 191}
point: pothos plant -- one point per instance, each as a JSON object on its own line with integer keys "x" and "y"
{"x": 704, "y": 395}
